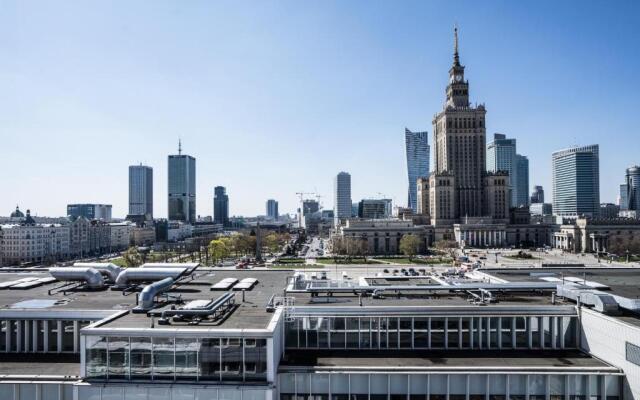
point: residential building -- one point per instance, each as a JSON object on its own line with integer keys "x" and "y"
{"x": 538, "y": 195}
{"x": 521, "y": 185}
{"x": 178, "y": 230}
{"x": 375, "y": 208}
{"x": 576, "y": 182}
{"x": 342, "y": 197}
{"x": 141, "y": 191}
{"x": 182, "y": 187}
{"x": 90, "y": 211}
{"x": 143, "y": 235}
{"x": 417, "y": 150}
{"x": 121, "y": 235}
{"x": 220, "y": 206}
{"x": 272, "y": 209}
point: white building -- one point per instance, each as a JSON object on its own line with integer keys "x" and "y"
{"x": 120, "y": 235}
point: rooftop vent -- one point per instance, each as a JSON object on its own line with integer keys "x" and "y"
{"x": 246, "y": 284}
{"x": 224, "y": 284}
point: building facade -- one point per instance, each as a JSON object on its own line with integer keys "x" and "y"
{"x": 417, "y": 151}
{"x": 596, "y": 235}
{"x": 90, "y": 211}
{"x": 272, "y": 209}
{"x": 537, "y": 196}
{"x": 576, "y": 182}
{"x": 220, "y": 206}
{"x": 630, "y": 190}
{"x": 182, "y": 187}
{"x": 502, "y": 156}
{"x": 341, "y": 197}
{"x": 422, "y": 190}
{"x": 375, "y": 208}
{"x": 141, "y": 191}
{"x": 382, "y": 236}
{"x": 522, "y": 181}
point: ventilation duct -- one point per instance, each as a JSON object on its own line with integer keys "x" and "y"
{"x": 148, "y": 294}
{"x": 600, "y": 301}
{"x": 109, "y": 269}
{"x": 147, "y": 275}
{"x": 92, "y": 277}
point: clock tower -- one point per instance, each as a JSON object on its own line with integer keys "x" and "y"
{"x": 458, "y": 88}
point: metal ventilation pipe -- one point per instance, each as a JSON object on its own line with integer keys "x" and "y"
{"x": 148, "y": 294}
{"x": 147, "y": 275}
{"x": 91, "y": 276}
{"x": 109, "y": 269}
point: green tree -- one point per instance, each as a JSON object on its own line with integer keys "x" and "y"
{"x": 409, "y": 245}
{"x": 447, "y": 246}
{"x": 218, "y": 250}
{"x": 132, "y": 257}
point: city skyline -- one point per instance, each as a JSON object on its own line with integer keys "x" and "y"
{"x": 52, "y": 117}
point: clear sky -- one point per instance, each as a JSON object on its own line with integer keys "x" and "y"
{"x": 273, "y": 98}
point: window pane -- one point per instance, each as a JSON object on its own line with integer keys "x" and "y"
{"x": 187, "y": 358}
{"x": 163, "y": 358}
{"x": 140, "y": 358}
{"x": 231, "y": 359}
{"x": 96, "y": 357}
{"x": 255, "y": 359}
{"x": 210, "y": 359}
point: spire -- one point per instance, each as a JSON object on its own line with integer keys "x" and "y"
{"x": 179, "y": 146}
{"x": 456, "y": 59}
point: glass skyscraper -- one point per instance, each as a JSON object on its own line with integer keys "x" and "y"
{"x": 576, "y": 182}
{"x": 182, "y": 188}
{"x": 141, "y": 190}
{"x": 220, "y": 206}
{"x": 342, "y": 197}
{"x": 522, "y": 181}
{"x": 501, "y": 156}
{"x": 417, "y": 147}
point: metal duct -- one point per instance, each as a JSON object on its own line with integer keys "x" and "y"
{"x": 227, "y": 299}
{"x": 147, "y": 275}
{"x": 109, "y": 269}
{"x": 91, "y": 276}
{"x": 189, "y": 266}
{"x": 148, "y": 294}
{"x": 601, "y": 301}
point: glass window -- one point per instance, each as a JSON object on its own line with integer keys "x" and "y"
{"x": 118, "y": 358}
{"x": 477, "y": 387}
{"x": 570, "y": 329}
{"x": 612, "y": 387}
{"x": 466, "y": 333}
{"x": 140, "y": 358}
{"x": 392, "y": 329}
{"x": 365, "y": 333}
{"x": 163, "y": 358}
{"x": 339, "y": 387}
{"x": 506, "y": 332}
{"x": 398, "y": 387}
{"x": 320, "y": 386}
{"x": 41, "y": 335}
{"x": 67, "y": 336}
{"x": 536, "y": 326}
{"x": 421, "y": 332}
{"x": 556, "y": 387}
{"x": 452, "y": 333}
{"x": 353, "y": 331}
{"x": 494, "y": 323}
{"x": 210, "y": 359}
{"x": 310, "y": 331}
{"x": 578, "y": 387}
{"x": 322, "y": 326}
{"x": 3, "y": 336}
{"x": 405, "y": 333}
{"x": 291, "y": 333}
{"x": 338, "y": 339}
{"x": 437, "y": 333}
{"x": 96, "y": 357}
{"x": 437, "y": 387}
{"x": 517, "y": 387}
{"x": 187, "y": 358}
{"x": 302, "y": 386}
{"x": 255, "y": 359}
{"x": 418, "y": 387}
{"x": 522, "y": 336}
{"x": 537, "y": 387}
{"x": 53, "y": 336}
{"x": 231, "y": 359}
{"x": 359, "y": 386}
{"x": 379, "y": 387}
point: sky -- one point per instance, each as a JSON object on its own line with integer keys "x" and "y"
{"x": 277, "y": 97}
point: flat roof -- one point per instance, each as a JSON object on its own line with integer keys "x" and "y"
{"x": 442, "y": 360}
{"x": 40, "y": 366}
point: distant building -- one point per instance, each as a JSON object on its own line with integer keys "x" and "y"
{"x": 522, "y": 181}
{"x": 630, "y": 190}
{"x": 609, "y": 210}
{"x": 90, "y": 211}
{"x": 342, "y": 197}
{"x": 182, "y": 187}
{"x": 220, "y": 206}
{"x": 422, "y": 188}
{"x": 382, "y": 236}
{"x": 502, "y": 156}
{"x": 272, "y": 209}
{"x": 310, "y": 207}
{"x": 141, "y": 191}
{"x": 374, "y": 208}
{"x": 623, "y": 197}
{"x": 576, "y": 182}
{"x": 541, "y": 209}
{"x": 417, "y": 149}
{"x": 120, "y": 235}
{"x": 538, "y": 195}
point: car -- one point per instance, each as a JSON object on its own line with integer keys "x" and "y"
{"x": 403, "y": 270}
{"x": 483, "y": 257}
{"x": 386, "y": 271}
{"x": 423, "y": 271}
{"x": 395, "y": 271}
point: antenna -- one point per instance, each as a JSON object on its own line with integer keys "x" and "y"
{"x": 179, "y": 146}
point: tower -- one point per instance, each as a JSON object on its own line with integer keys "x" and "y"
{"x": 182, "y": 187}
{"x": 342, "y": 197}
{"x": 459, "y": 149}
{"x": 220, "y": 206}
{"x": 417, "y": 149}
{"x": 141, "y": 191}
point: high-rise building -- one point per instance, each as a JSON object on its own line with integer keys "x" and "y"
{"x": 422, "y": 188}
{"x": 609, "y": 210}
{"x": 90, "y": 211}
{"x": 502, "y": 156}
{"x": 576, "y": 182}
{"x": 522, "y": 181}
{"x": 182, "y": 187}
{"x": 374, "y": 208}
{"x": 623, "y": 197}
{"x": 632, "y": 189}
{"x": 417, "y": 148}
{"x": 538, "y": 195}
{"x": 220, "y": 206}
{"x": 272, "y": 209}
{"x": 141, "y": 191}
{"x": 342, "y": 197}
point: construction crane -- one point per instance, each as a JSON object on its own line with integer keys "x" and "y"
{"x": 301, "y": 194}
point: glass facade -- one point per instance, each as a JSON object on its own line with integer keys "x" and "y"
{"x": 417, "y": 149}
{"x": 431, "y": 332}
{"x": 176, "y": 359}
{"x": 182, "y": 188}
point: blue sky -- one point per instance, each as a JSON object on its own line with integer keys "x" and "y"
{"x": 273, "y": 98}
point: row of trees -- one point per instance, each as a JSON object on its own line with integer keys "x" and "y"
{"x": 410, "y": 245}
{"x": 619, "y": 244}
{"x": 243, "y": 244}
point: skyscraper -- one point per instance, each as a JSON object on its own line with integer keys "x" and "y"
{"x": 182, "y": 187}
{"x": 502, "y": 156}
{"x": 141, "y": 191}
{"x": 272, "y": 209}
{"x": 342, "y": 197}
{"x": 576, "y": 181}
{"x": 220, "y": 206}
{"x": 632, "y": 189}
{"x": 417, "y": 148}
{"x": 538, "y": 195}
{"x": 522, "y": 181}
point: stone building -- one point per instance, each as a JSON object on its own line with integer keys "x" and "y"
{"x": 585, "y": 235}
{"x": 383, "y": 235}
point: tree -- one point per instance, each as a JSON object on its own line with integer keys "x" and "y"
{"x": 409, "y": 245}
{"x": 272, "y": 242}
{"x": 132, "y": 257}
{"x": 218, "y": 250}
{"x": 447, "y": 246}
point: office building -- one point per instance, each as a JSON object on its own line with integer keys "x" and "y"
{"x": 623, "y": 197}
{"x": 522, "y": 181}
{"x": 576, "y": 182}
{"x": 182, "y": 187}
{"x": 538, "y": 195}
{"x": 220, "y": 206}
{"x": 141, "y": 191}
{"x": 630, "y": 190}
{"x": 541, "y": 209}
{"x": 342, "y": 197}
{"x": 523, "y": 336}
{"x": 272, "y": 209}
{"x": 374, "y": 208}
{"x": 90, "y": 211}
{"x": 417, "y": 149}
{"x": 502, "y": 156}
{"x": 422, "y": 189}
{"x": 609, "y": 210}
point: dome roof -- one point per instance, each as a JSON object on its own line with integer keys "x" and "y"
{"x": 17, "y": 213}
